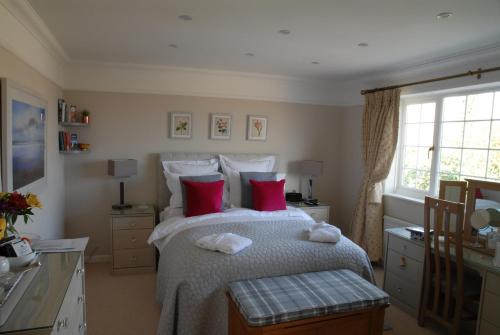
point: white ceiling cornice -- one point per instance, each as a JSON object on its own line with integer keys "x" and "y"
{"x": 24, "y": 33}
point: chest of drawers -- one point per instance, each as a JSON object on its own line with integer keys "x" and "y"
{"x": 319, "y": 213}
{"x": 130, "y": 229}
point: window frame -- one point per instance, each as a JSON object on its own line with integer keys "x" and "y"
{"x": 436, "y": 97}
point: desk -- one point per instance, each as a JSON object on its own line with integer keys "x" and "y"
{"x": 403, "y": 273}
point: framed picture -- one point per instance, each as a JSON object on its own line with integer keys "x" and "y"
{"x": 257, "y": 128}
{"x": 24, "y": 132}
{"x": 180, "y": 125}
{"x": 220, "y": 126}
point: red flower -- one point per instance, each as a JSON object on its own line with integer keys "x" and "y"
{"x": 18, "y": 201}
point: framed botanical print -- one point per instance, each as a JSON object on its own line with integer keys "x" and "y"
{"x": 180, "y": 125}
{"x": 220, "y": 126}
{"x": 24, "y": 148}
{"x": 256, "y": 128}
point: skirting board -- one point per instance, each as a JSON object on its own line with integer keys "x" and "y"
{"x": 98, "y": 259}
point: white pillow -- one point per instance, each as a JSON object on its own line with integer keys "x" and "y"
{"x": 232, "y": 168}
{"x": 174, "y": 169}
{"x": 192, "y": 168}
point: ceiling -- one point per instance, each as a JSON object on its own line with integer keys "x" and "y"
{"x": 399, "y": 33}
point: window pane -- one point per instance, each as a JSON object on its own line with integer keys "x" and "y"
{"x": 426, "y": 134}
{"x": 450, "y": 161}
{"x": 449, "y": 176}
{"x": 452, "y": 134}
{"x": 474, "y": 163}
{"x": 428, "y": 111}
{"x": 477, "y": 134}
{"x": 412, "y": 131}
{"x": 409, "y": 177}
{"x": 413, "y": 113}
{"x": 495, "y": 135}
{"x": 454, "y": 108}
{"x": 410, "y": 157}
{"x": 496, "y": 109}
{"x": 424, "y": 159}
{"x": 494, "y": 165}
{"x": 423, "y": 180}
{"x": 479, "y": 106}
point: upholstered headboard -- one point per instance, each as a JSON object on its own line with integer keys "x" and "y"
{"x": 163, "y": 194}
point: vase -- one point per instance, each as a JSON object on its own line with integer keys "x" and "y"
{"x": 3, "y": 227}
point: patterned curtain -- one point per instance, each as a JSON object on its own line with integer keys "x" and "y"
{"x": 380, "y": 137}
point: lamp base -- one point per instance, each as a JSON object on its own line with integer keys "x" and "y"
{"x": 121, "y": 206}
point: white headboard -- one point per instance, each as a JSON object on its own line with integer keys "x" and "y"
{"x": 163, "y": 194}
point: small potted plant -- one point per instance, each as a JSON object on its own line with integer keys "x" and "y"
{"x": 85, "y": 116}
{"x": 12, "y": 205}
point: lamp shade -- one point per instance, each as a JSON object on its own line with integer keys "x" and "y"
{"x": 311, "y": 168}
{"x": 122, "y": 167}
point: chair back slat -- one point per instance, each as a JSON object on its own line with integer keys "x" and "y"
{"x": 443, "y": 269}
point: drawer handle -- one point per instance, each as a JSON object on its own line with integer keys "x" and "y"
{"x": 398, "y": 289}
{"x": 79, "y": 300}
{"x": 80, "y": 271}
{"x": 82, "y": 326}
{"x": 62, "y": 324}
{"x": 133, "y": 258}
{"x": 133, "y": 239}
{"x": 133, "y": 224}
{"x": 402, "y": 262}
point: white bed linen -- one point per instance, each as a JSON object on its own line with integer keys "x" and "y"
{"x": 174, "y": 221}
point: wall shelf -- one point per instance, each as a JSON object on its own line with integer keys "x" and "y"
{"x": 74, "y": 152}
{"x": 73, "y": 124}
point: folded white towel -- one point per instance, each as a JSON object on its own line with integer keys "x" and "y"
{"x": 324, "y": 232}
{"x": 228, "y": 243}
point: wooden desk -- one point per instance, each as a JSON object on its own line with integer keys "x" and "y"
{"x": 404, "y": 259}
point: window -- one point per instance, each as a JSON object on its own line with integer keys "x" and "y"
{"x": 448, "y": 136}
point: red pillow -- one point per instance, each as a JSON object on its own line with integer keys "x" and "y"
{"x": 203, "y": 198}
{"x": 268, "y": 195}
{"x": 479, "y": 194}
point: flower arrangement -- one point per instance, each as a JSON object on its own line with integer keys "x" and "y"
{"x": 12, "y": 205}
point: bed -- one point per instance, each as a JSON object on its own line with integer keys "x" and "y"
{"x": 191, "y": 281}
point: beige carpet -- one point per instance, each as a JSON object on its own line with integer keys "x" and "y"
{"x": 125, "y": 305}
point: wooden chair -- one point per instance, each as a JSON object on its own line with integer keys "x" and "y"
{"x": 443, "y": 291}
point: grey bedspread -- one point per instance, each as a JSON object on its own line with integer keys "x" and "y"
{"x": 192, "y": 281}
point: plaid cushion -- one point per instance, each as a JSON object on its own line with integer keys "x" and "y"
{"x": 272, "y": 300}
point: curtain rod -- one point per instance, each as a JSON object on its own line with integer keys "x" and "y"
{"x": 477, "y": 73}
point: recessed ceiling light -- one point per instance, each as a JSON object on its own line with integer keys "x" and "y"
{"x": 249, "y": 54}
{"x": 315, "y": 62}
{"x": 284, "y": 32}
{"x": 185, "y": 17}
{"x": 363, "y": 44}
{"x": 444, "y": 15}
{"x": 172, "y": 45}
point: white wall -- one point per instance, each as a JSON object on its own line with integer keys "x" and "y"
{"x": 125, "y": 125}
{"x": 49, "y": 221}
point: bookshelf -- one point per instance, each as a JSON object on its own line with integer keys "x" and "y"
{"x": 70, "y": 120}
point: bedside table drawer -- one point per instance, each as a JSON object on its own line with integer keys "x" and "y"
{"x": 133, "y": 222}
{"x": 404, "y": 266}
{"x": 131, "y": 238}
{"x": 132, "y": 258}
{"x": 406, "y": 248}
{"x": 318, "y": 214}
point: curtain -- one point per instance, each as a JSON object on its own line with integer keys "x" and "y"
{"x": 380, "y": 136}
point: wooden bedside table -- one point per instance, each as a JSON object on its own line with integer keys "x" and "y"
{"x": 130, "y": 229}
{"x": 319, "y": 213}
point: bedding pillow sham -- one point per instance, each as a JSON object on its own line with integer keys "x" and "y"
{"x": 203, "y": 198}
{"x": 268, "y": 195}
{"x": 174, "y": 169}
{"x": 202, "y": 179}
{"x": 246, "y": 187}
{"x": 232, "y": 168}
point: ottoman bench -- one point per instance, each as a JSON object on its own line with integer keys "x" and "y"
{"x": 327, "y": 302}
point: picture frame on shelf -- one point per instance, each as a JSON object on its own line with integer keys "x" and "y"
{"x": 257, "y": 128}
{"x": 180, "y": 125}
{"x": 220, "y": 126}
{"x": 24, "y": 134}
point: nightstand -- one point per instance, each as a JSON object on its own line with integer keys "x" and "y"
{"x": 319, "y": 213}
{"x": 130, "y": 229}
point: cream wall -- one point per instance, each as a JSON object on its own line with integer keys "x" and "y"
{"x": 48, "y": 222}
{"x": 135, "y": 126}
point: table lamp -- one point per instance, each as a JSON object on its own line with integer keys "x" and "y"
{"x": 311, "y": 169}
{"x": 122, "y": 168}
